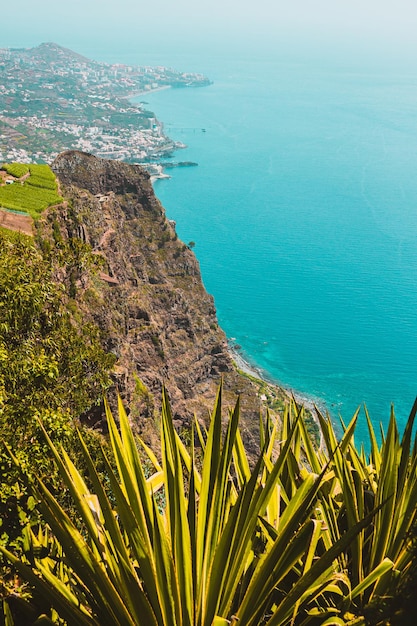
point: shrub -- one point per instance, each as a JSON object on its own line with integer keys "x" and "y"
{"x": 290, "y": 541}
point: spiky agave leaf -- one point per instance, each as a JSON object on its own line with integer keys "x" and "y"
{"x": 230, "y": 543}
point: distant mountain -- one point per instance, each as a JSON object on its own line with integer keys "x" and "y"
{"x": 51, "y": 51}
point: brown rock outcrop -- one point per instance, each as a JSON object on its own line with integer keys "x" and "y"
{"x": 148, "y": 297}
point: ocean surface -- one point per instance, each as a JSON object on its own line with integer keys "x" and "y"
{"x": 303, "y": 209}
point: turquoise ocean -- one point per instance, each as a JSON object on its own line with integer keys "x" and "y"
{"x": 303, "y": 209}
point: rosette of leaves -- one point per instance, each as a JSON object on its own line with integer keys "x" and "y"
{"x": 213, "y": 541}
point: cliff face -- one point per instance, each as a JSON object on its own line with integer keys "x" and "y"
{"x": 148, "y": 297}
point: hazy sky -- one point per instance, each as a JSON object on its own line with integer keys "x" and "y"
{"x": 389, "y": 23}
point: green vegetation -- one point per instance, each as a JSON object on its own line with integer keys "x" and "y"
{"x": 42, "y": 347}
{"x": 51, "y": 365}
{"x": 15, "y": 169}
{"x": 196, "y": 533}
{"x": 42, "y": 176}
{"x": 34, "y": 194}
{"x": 15, "y": 236}
{"x": 304, "y": 537}
{"x": 27, "y": 199}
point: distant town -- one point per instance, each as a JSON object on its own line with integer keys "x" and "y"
{"x": 53, "y": 99}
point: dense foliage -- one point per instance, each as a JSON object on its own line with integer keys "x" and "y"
{"x": 32, "y": 195}
{"x": 42, "y": 176}
{"x": 47, "y": 360}
{"x": 52, "y": 366}
{"x": 16, "y": 169}
{"x": 304, "y": 537}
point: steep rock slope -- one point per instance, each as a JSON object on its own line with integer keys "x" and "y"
{"x": 148, "y": 298}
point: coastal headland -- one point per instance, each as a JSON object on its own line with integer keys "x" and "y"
{"x": 147, "y": 300}
{"x": 53, "y": 99}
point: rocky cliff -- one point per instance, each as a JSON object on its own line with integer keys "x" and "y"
{"x": 147, "y": 297}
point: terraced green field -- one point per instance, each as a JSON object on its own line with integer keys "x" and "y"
{"x": 16, "y": 169}
{"x": 32, "y": 195}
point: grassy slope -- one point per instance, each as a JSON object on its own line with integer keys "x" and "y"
{"x": 33, "y": 191}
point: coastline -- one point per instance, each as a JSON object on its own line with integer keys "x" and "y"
{"x": 135, "y": 94}
{"x": 256, "y": 372}
{"x": 309, "y": 403}
{"x": 158, "y": 173}
{"x": 156, "y": 177}
{"x": 243, "y": 364}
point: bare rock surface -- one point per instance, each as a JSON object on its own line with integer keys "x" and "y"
{"x": 148, "y": 297}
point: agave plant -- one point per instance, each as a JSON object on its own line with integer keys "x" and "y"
{"x": 380, "y": 555}
{"x": 219, "y": 541}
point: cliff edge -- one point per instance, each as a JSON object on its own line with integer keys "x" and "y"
{"x": 147, "y": 297}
